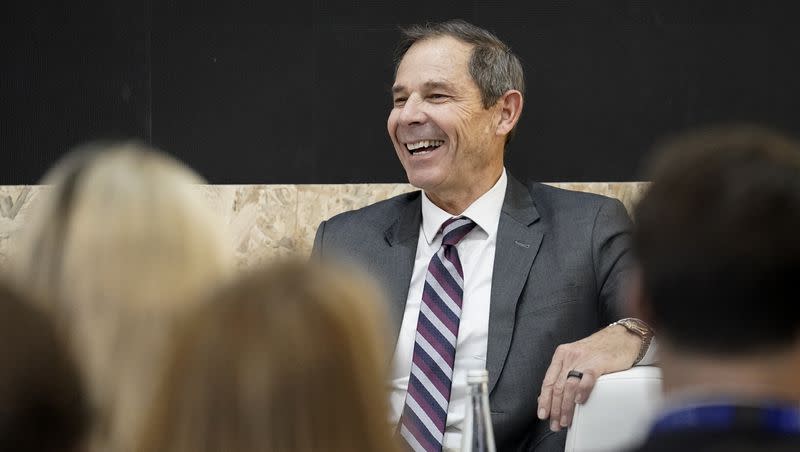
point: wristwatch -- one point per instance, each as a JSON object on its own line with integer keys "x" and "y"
{"x": 640, "y": 329}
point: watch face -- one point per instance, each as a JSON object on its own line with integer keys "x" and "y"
{"x": 635, "y": 327}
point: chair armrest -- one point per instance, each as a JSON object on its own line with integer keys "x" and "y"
{"x": 618, "y": 412}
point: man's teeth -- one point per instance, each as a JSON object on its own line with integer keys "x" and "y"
{"x": 424, "y": 144}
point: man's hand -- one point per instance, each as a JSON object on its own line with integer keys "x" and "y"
{"x": 609, "y": 350}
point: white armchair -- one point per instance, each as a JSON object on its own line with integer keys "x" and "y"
{"x": 618, "y": 413}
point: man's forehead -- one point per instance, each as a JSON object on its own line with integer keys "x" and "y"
{"x": 439, "y": 62}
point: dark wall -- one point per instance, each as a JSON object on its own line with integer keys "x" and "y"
{"x": 299, "y": 93}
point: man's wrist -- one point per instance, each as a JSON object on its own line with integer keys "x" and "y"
{"x": 642, "y": 330}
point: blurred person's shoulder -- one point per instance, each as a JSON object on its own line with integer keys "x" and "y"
{"x": 740, "y": 440}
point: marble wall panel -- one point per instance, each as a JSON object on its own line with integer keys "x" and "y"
{"x": 15, "y": 204}
{"x": 261, "y": 219}
{"x": 266, "y": 221}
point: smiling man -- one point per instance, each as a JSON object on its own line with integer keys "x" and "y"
{"x": 481, "y": 270}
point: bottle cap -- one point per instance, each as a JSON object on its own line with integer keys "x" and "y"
{"x": 476, "y": 376}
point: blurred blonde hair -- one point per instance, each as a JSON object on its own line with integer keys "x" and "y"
{"x": 118, "y": 248}
{"x": 289, "y": 359}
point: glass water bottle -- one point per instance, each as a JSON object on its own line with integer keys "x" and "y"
{"x": 478, "y": 434}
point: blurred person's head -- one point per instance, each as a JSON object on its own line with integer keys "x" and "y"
{"x": 718, "y": 241}
{"x": 42, "y": 403}
{"x": 121, "y": 244}
{"x": 290, "y": 358}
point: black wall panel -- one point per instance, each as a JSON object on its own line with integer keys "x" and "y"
{"x": 299, "y": 92}
{"x": 69, "y": 73}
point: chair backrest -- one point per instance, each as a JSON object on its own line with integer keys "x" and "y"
{"x": 618, "y": 413}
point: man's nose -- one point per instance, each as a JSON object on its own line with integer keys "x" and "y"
{"x": 413, "y": 111}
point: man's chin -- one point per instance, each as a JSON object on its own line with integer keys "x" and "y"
{"x": 423, "y": 182}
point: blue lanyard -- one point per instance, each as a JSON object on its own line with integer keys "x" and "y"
{"x": 778, "y": 418}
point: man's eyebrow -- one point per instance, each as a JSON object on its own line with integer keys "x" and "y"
{"x": 438, "y": 84}
{"x": 429, "y": 85}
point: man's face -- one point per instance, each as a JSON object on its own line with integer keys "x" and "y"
{"x": 445, "y": 139}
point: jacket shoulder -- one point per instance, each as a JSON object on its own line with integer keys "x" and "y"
{"x": 569, "y": 208}
{"x": 378, "y": 215}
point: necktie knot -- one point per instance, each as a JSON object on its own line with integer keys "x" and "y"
{"x": 455, "y": 229}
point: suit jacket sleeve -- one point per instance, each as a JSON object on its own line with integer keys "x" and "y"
{"x": 611, "y": 244}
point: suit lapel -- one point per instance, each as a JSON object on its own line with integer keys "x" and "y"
{"x": 518, "y": 239}
{"x": 397, "y": 260}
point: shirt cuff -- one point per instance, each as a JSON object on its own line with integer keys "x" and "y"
{"x": 651, "y": 355}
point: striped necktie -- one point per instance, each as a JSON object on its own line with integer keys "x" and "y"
{"x": 424, "y": 417}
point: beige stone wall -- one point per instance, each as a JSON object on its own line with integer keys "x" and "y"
{"x": 274, "y": 220}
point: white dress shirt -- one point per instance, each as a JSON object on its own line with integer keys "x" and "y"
{"x": 476, "y": 252}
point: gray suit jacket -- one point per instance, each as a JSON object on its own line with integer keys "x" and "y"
{"x": 557, "y": 278}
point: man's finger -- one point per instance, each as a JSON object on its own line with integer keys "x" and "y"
{"x": 550, "y": 377}
{"x": 555, "y": 405}
{"x": 568, "y": 401}
{"x": 585, "y": 387}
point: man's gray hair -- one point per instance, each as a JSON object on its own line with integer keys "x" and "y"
{"x": 492, "y": 65}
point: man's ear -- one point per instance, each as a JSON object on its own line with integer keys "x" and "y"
{"x": 637, "y": 303}
{"x": 510, "y": 109}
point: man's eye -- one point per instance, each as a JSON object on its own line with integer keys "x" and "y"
{"x": 438, "y": 96}
{"x": 399, "y": 102}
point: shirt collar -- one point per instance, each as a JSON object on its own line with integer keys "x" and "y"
{"x": 484, "y": 211}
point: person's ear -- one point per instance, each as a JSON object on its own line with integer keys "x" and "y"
{"x": 510, "y": 105}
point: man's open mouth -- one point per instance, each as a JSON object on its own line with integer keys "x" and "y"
{"x": 423, "y": 146}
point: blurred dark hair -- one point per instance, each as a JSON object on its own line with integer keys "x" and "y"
{"x": 718, "y": 240}
{"x": 42, "y": 403}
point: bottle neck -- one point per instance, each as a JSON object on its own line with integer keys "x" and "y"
{"x": 478, "y": 431}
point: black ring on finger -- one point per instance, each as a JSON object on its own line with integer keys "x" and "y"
{"x": 575, "y": 373}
